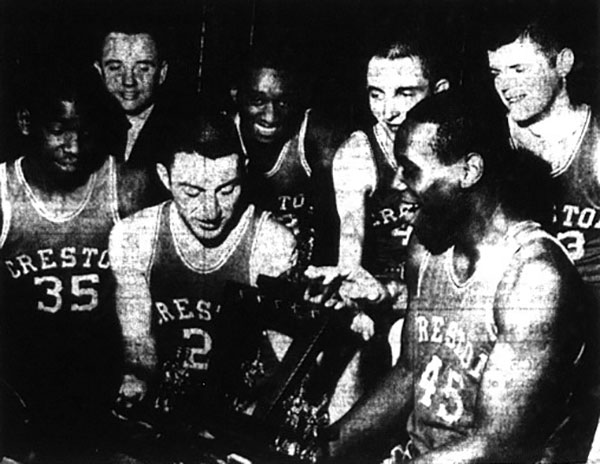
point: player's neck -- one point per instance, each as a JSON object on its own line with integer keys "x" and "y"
{"x": 201, "y": 254}
{"x": 60, "y": 196}
{"x": 485, "y": 228}
{"x": 557, "y": 121}
{"x": 263, "y": 156}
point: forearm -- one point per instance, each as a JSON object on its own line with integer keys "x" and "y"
{"x": 381, "y": 414}
{"x": 468, "y": 450}
{"x": 140, "y": 355}
{"x": 352, "y": 231}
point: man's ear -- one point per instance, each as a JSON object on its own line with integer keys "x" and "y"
{"x": 472, "y": 170}
{"x": 98, "y": 68}
{"x": 164, "y": 68}
{"x": 441, "y": 85}
{"x": 163, "y": 175}
{"x": 565, "y": 61}
{"x": 233, "y": 92}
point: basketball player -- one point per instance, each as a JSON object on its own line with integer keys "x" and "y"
{"x": 499, "y": 340}
{"x": 289, "y": 149}
{"x": 172, "y": 261}
{"x": 59, "y": 330}
{"x": 530, "y": 63}
{"x": 399, "y": 74}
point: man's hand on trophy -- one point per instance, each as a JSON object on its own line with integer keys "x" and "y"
{"x": 132, "y": 391}
{"x": 323, "y": 286}
{"x": 342, "y": 288}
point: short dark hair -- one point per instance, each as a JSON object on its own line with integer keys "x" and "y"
{"x": 210, "y": 135}
{"x": 131, "y": 25}
{"x": 520, "y": 180}
{"x": 280, "y": 58}
{"x": 405, "y": 44}
{"x": 463, "y": 126}
{"x": 542, "y": 24}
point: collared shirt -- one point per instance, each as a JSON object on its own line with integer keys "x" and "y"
{"x": 136, "y": 124}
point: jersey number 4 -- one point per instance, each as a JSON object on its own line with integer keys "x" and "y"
{"x": 82, "y": 287}
{"x": 450, "y": 392}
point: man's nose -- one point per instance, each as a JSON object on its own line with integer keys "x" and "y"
{"x": 269, "y": 114}
{"x": 505, "y": 82}
{"x": 390, "y": 109}
{"x": 211, "y": 208}
{"x": 398, "y": 182}
{"x": 71, "y": 143}
{"x": 128, "y": 77}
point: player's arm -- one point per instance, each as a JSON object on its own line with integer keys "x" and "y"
{"x": 274, "y": 250}
{"x": 375, "y": 422}
{"x": 522, "y": 389}
{"x": 354, "y": 176}
{"x": 129, "y": 250}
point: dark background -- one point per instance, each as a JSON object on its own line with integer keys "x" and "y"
{"x": 205, "y": 39}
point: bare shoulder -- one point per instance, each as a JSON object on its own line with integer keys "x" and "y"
{"x": 540, "y": 288}
{"x": 273, "y": 234}
{"x": 132, "y": 239}
{"x": 141, "y": 223}
{"x": 325, "y": 134}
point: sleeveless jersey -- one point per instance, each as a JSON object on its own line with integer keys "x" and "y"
{"x": 286, "y": 189}
{"x": 578, "y": 207}
{"x": 386, "y": 234}
{"x": 60, "y": 331}
{"x": 186, "y": 300}
{"x": 453, "y": 335}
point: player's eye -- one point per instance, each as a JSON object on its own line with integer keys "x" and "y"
{"x": 190, "y": 191}
{"x": 55, "y": 129}
{"x": 283, "y": 104}
{"x": 113, "y": 67}
{"x": 519, "y": 69}
{"x": 407, "y": 93}
{"x": 375, "y": 95}
{"x": 257, "y": 101}
{"x": 227, "y": 190}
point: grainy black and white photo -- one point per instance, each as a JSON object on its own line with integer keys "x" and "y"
{"x": 299, "y": 231}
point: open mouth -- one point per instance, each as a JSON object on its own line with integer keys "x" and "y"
{"x": 265, "y": 131}
{"x": 514, "y": 99}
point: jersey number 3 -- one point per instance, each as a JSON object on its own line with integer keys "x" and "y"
{"x": 82, "y": 287}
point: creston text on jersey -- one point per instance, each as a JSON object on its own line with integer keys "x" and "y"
{"x": 65, "y": 258}
{"x": 181, "y": 309}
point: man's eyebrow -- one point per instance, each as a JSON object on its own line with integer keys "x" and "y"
{"x": 372, "y": 87}
{"x": 112, "y": 61}
{"x": 187, "y": 184}
{"x": 409, "y": 88}
{"x": 234, "y": 181}
{"x": 150, "y": 62}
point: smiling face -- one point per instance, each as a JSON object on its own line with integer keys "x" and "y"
{"x": 268, "y": 106}
{"x": 207, "y": 193}
{"x": 526, "y": 79}
{"x": 431, "y": 191}
{"x": 131, "y": 70}
{"x": 394, "y": 86}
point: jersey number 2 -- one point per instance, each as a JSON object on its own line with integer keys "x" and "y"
{"x": 82, "y": 286}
